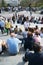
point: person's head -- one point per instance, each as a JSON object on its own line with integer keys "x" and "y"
{"x": 26, "y": 29}
{"x": 36, "y": 27}
{"x": 8, "y": 20}
{"x": 30, "y": 34}
{"x": 16, "y": 26}
{"x": 37, "y": 48}
{"x": 31, "y": 30}
{"x": 42, "y": 29}
{"x": 20, "y": 30}
{"x": 12, "y": 34}
{"x": 37, "y": 33}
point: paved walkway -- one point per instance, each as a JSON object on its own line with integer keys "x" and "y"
{"x": 5, "y": 59}
{"x": 11, "y": 60}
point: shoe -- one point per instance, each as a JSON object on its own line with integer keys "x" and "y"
{"x": 24, "y": 59}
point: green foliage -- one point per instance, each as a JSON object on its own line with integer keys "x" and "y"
{"x": 3, "y": 4}
{"x": 35, "y": 3}
{"x": 24, "y": 3}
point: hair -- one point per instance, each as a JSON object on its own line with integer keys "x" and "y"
{"x": 36, "y": 47}
{"x": 20, "y": 30}
{"x": 37, "y": 33}
{"x": 36, "y": 27}
{"x": 16, "y": 26}
{"x": 41, "y": 28}
{"x": 26, "y": 29}
{"x": 11, "y": 31}
{"x": 31, "y": 30}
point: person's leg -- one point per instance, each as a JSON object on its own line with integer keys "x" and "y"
{"x": 1, "y": 52}
{"x": 7, "y": 31}
{"x": 2, "y": 30}
{"x": 4, "y": 49}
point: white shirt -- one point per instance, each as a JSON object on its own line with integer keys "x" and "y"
{"x": 40, "y": 21}
{"x": 26, "y": 24}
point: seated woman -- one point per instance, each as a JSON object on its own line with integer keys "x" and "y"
{"x": 29, "y": 41}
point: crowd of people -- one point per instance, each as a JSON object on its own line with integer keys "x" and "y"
{"x": 31, "y": 38}
{"x": 32, "y": 19}
{"x": 7, "y": 23}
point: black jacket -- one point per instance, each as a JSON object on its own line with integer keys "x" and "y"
{"x": 29, "y": 42}
{"x": 35, "y": 58}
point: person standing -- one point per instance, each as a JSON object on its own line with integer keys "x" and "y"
{"x": 26, "y": 23}
{"x": 13, "y": 18}
{"x": 8, "y": 26}
{"x": 2, "y": 25}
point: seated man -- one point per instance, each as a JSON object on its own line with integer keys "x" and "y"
{"x": 35, "y": 58}
{"x": 13, "y": 44}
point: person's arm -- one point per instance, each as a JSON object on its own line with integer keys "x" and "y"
{"x": 19, "y": 41}
{"x": 6, "y": 46}
{"x": 28, "y": 55}
{"x": 7, "y": 43}
{"x": 4, "y": 43}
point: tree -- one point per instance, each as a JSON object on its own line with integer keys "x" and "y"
{"x": 36, "y": 3}
{"x": 24, "y": 3}
{"x": 3, "y": 3}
